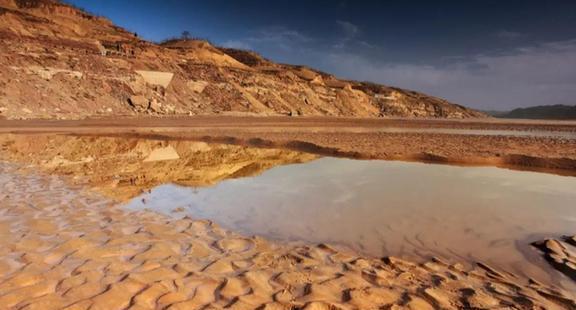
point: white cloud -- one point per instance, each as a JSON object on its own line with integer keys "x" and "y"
{"x": 525, "y": 76}
{"x": 349, "y": 32}
{"x": 275, "y": 37}
{"x": 282, "y": 37}
{"x": 348, "y": 28}
{"x": 237, "y": 44}
{"x": 509, "y": 35}
{"x": 366, "y": 44}
{"x": 533, "y": 75}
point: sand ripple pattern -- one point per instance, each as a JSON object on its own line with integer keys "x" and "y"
{"x": 64, "y": 248}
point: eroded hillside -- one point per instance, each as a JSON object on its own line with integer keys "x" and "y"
{"x": 57, "y": 61}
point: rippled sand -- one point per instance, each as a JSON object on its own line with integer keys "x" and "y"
{"x": 71, "y": 246}
{"x": 68, "y": 248}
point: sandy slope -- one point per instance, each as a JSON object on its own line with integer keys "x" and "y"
{"x": 57, "y": 61}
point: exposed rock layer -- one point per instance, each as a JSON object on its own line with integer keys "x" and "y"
{"x": 59, "y": 62}
{"x": 561, "y": 253}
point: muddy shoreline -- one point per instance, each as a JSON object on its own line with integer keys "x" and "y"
{"x": 342, "y": 137}
{"x": 307, "y": 276}
{"x": 295, "y": 122}
{"x": 69, "y": 248}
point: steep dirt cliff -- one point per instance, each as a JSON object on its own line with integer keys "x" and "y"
{"x": 57, "y": 61}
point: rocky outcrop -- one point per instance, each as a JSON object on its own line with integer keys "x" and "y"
{"x": 139, "y": 103}
{"x": 96, "y": 68}
{"x": 561, "y": 253}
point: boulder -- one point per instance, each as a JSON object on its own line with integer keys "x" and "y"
{"x": 197, "y": 86}
{"x": 139, "y": 102}
{"x": 156, "y": 106}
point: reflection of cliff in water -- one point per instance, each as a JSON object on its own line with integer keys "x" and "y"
{"x": 122, "y": 168}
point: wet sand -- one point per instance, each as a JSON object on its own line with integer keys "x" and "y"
{"x": 413, "y": 210}
{"x": 377, "y": 208}
{"x": 67, "y": 248}
{"x": 70, "y": 245}
{"x": 517, "y": 144}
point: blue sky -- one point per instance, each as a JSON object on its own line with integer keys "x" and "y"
{"x": 483, "y": 54}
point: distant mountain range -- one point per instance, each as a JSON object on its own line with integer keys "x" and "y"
{"x": 557, "y": 111}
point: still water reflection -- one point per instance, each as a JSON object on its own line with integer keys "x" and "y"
{"x": 412, "y": 210}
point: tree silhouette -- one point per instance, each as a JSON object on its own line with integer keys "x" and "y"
{"x": 186, "y": 35}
